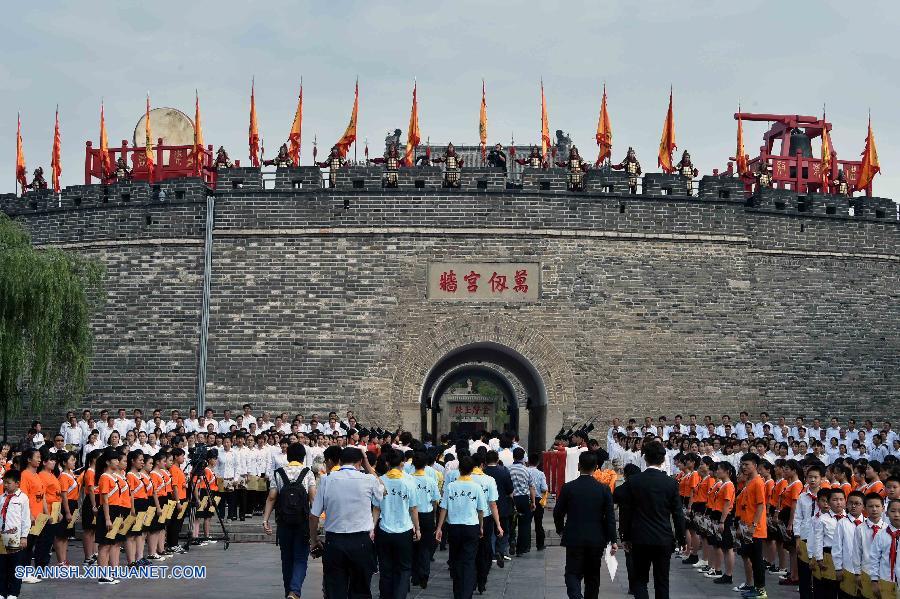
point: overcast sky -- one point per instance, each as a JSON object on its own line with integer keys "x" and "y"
{"x": 772, "y": 56}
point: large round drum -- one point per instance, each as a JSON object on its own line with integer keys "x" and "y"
{"x": 173, "y": 126}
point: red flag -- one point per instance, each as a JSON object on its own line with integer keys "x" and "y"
{"x": 604, "y": 132}
{"x": 105, "y": 160}
{"x": 545, "y": 125}
{"x": 825, "y": 167}
{"x": 296, "y": 129}
{"x": 667, "y": 142}
{"x": 349, "y": 136}
{"x": 254, "y": 128}
{"x": 740, "y": 156}
{"x": 55, "y": 164}
{"x": 413, "y": 136}
{"x": 482, "y": 123}
{"x": 148, "y": 145}
{"x": 20, "y": 156}
{"x": 870, "y": 166}
{"x": 198, "y": 153}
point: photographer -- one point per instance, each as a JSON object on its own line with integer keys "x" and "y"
{"x": 291, "y": 495}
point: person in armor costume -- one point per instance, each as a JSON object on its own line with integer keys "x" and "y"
{"x": 333, "y": 162}
{"x": 452, "y": 166}
{"x": 576, "y": 168}
{"x": 685, "y": 167}
{"x": 841, "y": 186}
{"x": 282, "y": 160}
{"x": 121, "y": 172}
{"x": 222, "y": 160}
{"x": 391, "y": 162}
{"x": 423, "y": 160}
{"x": 763, "y": 175}
{"x": 632, "y": 168}
{"x": 497, "y": 157}
{"x": 37, "y": 181}
{"x": 534, "y": 159}
{"x": 391, "y": 139}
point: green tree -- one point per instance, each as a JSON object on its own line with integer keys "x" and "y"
{"x": 47, "y": 297}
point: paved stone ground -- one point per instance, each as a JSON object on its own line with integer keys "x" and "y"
{"x": 252, "y": 570}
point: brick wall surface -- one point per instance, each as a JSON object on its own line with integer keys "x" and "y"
{"x": 649, "y": 303}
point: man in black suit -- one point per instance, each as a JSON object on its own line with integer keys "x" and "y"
{"x": 654, "y": 507}
{"x": 504, "y": 502}
{"x": 586, "y": 522}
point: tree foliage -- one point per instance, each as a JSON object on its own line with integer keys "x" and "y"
{"x": 46, "y": 300}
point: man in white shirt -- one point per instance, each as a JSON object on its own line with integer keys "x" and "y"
{"x": 815, "y": 431}
{"x": 870, "y": 432}
{"x": 879, "y": 450}
{"x": 740, "y": 428}
{"x": 834, "y": 430}
{"x": 758, "y": 426}
{"x": 208, "y": 418}
{"x": 226, "y": 422}
{"x": 720, "y": 430}
{"x": 73, "y": 434}
{"x": 248, "y": 416}
{"x": 192, "y": 424}
{"x": 346, "y": 420}
{"x": 264, "y": 424}
{"x": 573, "y": 453}
{"x": 122, "y": 423}
{"x": 615, "y": 427}
{"x": 172, "y": 423}
{"x": 798, "y": 424}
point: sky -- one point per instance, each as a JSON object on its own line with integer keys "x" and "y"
{"x": 768, "y": 55}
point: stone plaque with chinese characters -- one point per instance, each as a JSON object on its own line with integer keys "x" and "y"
{"x": 484, "y": 281}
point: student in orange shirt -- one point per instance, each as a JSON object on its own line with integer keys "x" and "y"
{"x": 156, "y": 530}
{"x": 204, "y": 488}
{"x": 786, "y": 507}
{"x": 723, "y": 518}
{"x": 89, "y": 507}
{"x": 68, "y": 484}
{"x": 179, "y": 490}
{"x": 33, "y": 486}
{"x": 107, "y": 493}
{"x": 751, "y": 510}
{"x": 769, "y": 549}
{"x": 138, "y": 503}
{"x": 772, "y": 517}
{"x": 698, "y": 502}
{"x": 49, "y": 473}
{"x": 686, "y": 488}
{"x": 147, "y": 485}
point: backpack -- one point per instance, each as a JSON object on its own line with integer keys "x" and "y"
{"x": 292, "y": 508}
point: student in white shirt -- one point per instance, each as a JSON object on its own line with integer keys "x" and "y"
{"x": 15, "y": 522}
{"x": 248, "y": 416}
{"x": 879, "y": 556}
{"x": 226, "y": 422}
{"x": 123, "y": 424}
{"x": 862, "y": 540}
{"x": 192, "y": 424}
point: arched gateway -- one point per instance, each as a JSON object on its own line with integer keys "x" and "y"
{"x": 497, "y": 348}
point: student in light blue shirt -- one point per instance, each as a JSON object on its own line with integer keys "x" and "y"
{"x": 492, "y": 526}
{"x": 463, "y": 507}
{"x": 541, "y": 489}
{"x": 427, "y": 500}
{"x": 398, "y": 523}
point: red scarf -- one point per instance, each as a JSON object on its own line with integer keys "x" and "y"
{"x": 895, "y": 537}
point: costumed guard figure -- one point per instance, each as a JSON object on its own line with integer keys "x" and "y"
{"x": 333, "y": 162}
{"x": 576, "y": 170}
{"x": 632, "y": 168}
{"x": 534, "y": 159}
{"x": 283, "y": 160}
{"x": 391, "y": 162}
{"x": 497, "y": 157}
{"x": 38, "y": 181}
{"x": 686, "y": 169}
{"x": 841, "y": 187}
{"x": 763, "y": 175}
{"x": 122, "y": 172}
{"x": 222, "y": 160}
{"x": 452, "y": 166}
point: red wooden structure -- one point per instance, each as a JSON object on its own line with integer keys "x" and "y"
{"x": 554, "y": 463}
{"x": 171, "y": 162}
{"x": 795, "y": 171}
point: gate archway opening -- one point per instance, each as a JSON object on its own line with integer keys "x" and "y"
{"x": 505, "y": 368}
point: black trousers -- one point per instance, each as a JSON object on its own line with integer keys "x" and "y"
{"x": 583, "y": 563}
{"x": 348, "y": 565}
{"x": 241, "y": 494}
{"x": 658, "y": 557}
{"x": 484, "y": 557}
{"x": 173, "y": 528}
{"x": 463, "y": 548}
{"x": 395, "y": 554}
{"x": 523, "y": 511}
{"x": 502, "y": 546}
{"x": 804, "y": 575}
{"x": 9, "y": 583}
{"x": 539, "y": 534}
{"x": 755, "y": 553}
{"x": 230, "y": 499}
{"x": 423, "y": 549}
{"x": 42, "y": 546}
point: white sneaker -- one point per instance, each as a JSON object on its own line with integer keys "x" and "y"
{"x": 108, "y": 581}
{"x": 701, "y": 563}
{"x": 11, "y": 597}
{"x": 31, "y": 580}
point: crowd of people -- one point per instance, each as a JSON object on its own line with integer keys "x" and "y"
{"x": 820, "y": 508}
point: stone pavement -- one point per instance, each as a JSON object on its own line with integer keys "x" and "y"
{"x": 252, "y": 570}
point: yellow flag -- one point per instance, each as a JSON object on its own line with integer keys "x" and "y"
{"x": 870, "y": 166}
{"x": 604, "y": 132}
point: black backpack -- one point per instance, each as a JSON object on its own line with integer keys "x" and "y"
{"x": 292, "y": 508}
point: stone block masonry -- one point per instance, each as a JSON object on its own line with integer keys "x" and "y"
{"x": 652, "y": 303}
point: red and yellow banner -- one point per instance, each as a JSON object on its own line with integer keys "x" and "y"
{"x": 545, "y": 125}
{"x": 482, "y": 122}
{"x": 349, "y": 136}
{"x": 825, "y": 168}
{"x": 148, "y": 145}
{"x": 198, "y": 137}
{"x": 254, "y": 127}
{"x": 740, "y": 155}
{"x": 604, "y": 132}
{"x": 870, "y": 166}
{"x": 55, "y": 159}
{"x": 413, "y": 136}
{"x": 105, "y": 159}
{"x": 20, "y": 156}
{"x": 296, "y": 130}
{"x": 667, "y": 143}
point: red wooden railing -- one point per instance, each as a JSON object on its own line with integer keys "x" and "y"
{"x": 171, "y": 162}
{"x": 806, "y": 172}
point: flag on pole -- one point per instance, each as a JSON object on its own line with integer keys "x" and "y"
{"x": 20, "y": 156}
{"x": 604, "y": 132}
{"x": 105, "y": 160}
{"x": 55, "y": 163}
{"x": 545, "y": 125}
{"x": 825, "y": 168}
{"x": 482, "y": 122}
{"x": 349, "y": 136}
{"x": 740, "y": 156}
{"x": 254, "y": 127}
{"x": 667, "y": 142}
{"x": 296, "y": 129}
{"x": 198, "y": 137}
{"x": 148, "y": 145}
{"x": 870, "y": 166}
{"x": 413, "y": 135}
